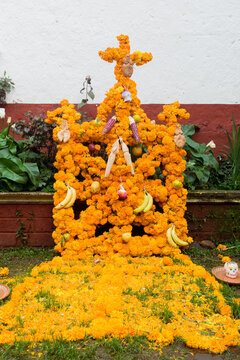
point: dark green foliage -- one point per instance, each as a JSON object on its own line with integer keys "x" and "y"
{"x": 16, "y": 171}
{"x": 200, "y": 161}
{"x": 204, "y": 171}
{"x": 6, "y": 83}
{"x": 233, "y": 154}
{"x": 40, "y": 148}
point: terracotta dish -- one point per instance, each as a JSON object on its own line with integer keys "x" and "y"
{"x": 4, "y": 291}
{"x": 220, "y": 274}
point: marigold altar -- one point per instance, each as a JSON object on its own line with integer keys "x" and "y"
{"x": 121, "y": 271}
{"x": 100, "y": 161}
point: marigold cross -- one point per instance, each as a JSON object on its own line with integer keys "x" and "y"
{"x": 124, "y": 59}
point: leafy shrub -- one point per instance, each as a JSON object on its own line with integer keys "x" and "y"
{"x": 41, "y": 147}
{"x": 200, "y": 161}
{"x": 6, "y": 85}
{"x": 17, "y": 173}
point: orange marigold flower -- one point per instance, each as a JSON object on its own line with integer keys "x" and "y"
{"x": 226, "y": 259}
{"x": 64, "y": 102}
{"x": 167, "y": 261}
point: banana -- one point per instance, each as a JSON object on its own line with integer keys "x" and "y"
{"x": 176, "y": 238}
{"x": 73, "y": 198}
{"x": 68, "y": 199}
{"x": 170, "y": 239}
{"x": 149, "y": 204}
{"x": 143, "y": 204}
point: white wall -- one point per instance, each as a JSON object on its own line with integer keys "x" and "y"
{"x": 49, "y": 46}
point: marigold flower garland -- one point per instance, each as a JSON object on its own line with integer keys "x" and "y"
{"x": 80, "y": 169}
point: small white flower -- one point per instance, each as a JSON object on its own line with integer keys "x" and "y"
{"x": 9, "y": 120}
{"x": 211, "y": 144}
{"x": 2, "y": 113}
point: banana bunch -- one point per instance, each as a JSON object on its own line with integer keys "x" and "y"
{"x": 173, "y": 239}
{"x": 146, "y": 205}
{"x": 69, "y": 199}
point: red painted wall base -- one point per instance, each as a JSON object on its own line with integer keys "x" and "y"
{"x": 28, "y": 224}
{"x": 212, "y": 119}
{"x": 31, "y": 224}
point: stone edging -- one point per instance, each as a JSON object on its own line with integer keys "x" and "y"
{"x": 197, "y": 196}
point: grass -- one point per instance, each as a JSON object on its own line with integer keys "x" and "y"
{"x": 21, "y": 260}
{"x": 208, "y": 258}
{"x": 135, "y": 348}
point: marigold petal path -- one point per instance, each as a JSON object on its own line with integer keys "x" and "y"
{"x": 161, "y": 298}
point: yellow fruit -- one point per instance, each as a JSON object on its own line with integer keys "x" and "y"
{"x": 177, "y": 184}
{"x": 72, "y": 200}
{"x": 137, "y": 150}
{"x": 97, "y": 122}
{"x": 137, "y": 118}
{"x": 170, "y": 239}
{"x": 143, "y": 204}
{"x": 66, "y": 200}
{"x": 126, "y": 236}
{"x": 176, "y": 238}
{"x": 95, "y": 187}
{"x": 149, "y": 204}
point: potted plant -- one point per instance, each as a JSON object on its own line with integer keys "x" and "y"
{"x": 6, "y": 86}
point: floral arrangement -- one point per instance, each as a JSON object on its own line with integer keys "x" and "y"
{"x": 82, "y": 160}
{"x": 106, "y": 284}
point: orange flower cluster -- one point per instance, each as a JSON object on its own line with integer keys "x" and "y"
{"x": 161, "y": 298}
{"x": 223, "y": 258}
{"x": 99, "y": 228}
{"x": 4, "y": 271}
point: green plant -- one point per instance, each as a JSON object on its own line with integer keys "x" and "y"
{"x": 16, "y": 172}
{"x": 41, "y": 147}
{"x": 221, "y": 179}
{"x": 39, "y": 133}
{"x": 48, "y": 300}
{"x": 200, "y": 161}
{"x": 23, "y": 230}
{"x": 163, "y": 312}
{"x": 6, "y": 85}
{"x": 233, "y": 154}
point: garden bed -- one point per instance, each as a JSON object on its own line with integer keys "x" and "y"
{"x": 26, "y": 218}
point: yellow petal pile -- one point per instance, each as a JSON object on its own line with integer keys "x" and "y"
{"x": 161, "y": 298}
{"x": 4, "y": 271}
